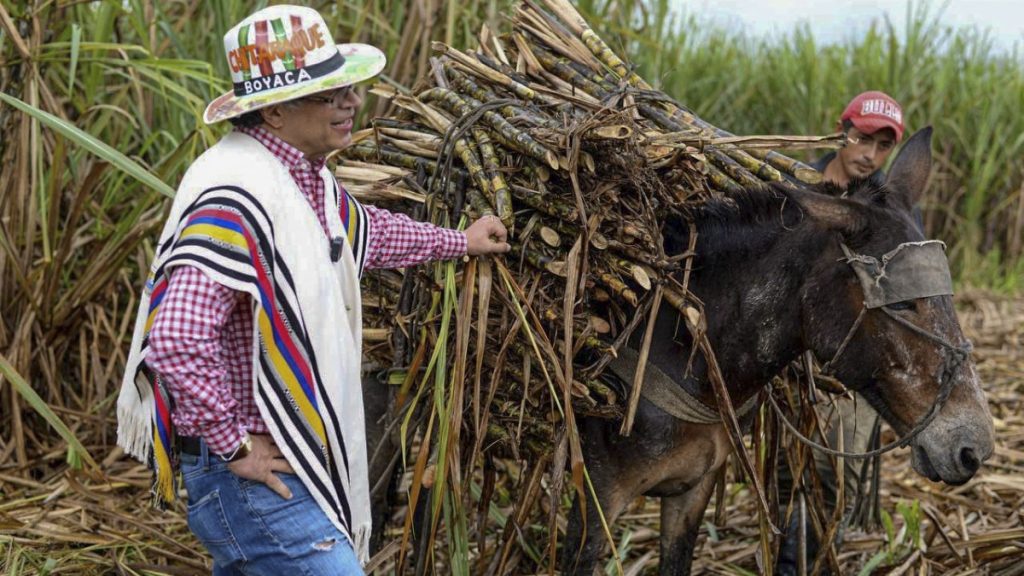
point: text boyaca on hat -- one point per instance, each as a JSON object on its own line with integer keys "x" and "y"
{"x": 284, "y": 52}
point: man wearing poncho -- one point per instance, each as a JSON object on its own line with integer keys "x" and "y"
{"x": 244, "y": 369}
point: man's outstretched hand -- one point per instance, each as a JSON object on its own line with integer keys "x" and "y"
{"x": 487, "y": 236}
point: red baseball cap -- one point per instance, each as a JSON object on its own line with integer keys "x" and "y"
{"x": 871, "y": 111}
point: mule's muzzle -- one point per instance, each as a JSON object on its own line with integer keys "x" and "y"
{"x": 968, "y": 464}
{"x": 923, "y": 465}
{"x": 953, "y": 457}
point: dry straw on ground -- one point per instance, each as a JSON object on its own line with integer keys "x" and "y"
{"x": 106, "y": 526}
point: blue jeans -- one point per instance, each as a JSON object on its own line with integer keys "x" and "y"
{"x": 250, "y": 530}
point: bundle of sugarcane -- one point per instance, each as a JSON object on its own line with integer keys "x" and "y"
{"x": 550, "y": 131}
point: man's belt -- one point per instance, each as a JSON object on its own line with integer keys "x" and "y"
{"x": 190, "y": 445}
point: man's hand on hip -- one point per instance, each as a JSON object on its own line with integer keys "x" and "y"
{"x": 487, "y": 236}
{"x": 261, "y": 463}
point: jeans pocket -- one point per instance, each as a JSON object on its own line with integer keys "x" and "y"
{"x": 265, "y": 501}
{"x": 208, "y": 522}
{"x": 190, "y": 466}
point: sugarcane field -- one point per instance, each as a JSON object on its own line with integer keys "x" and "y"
{"x": 511, "y": 287}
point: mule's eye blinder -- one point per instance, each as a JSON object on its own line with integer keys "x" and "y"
{"x": 911, "y": 271}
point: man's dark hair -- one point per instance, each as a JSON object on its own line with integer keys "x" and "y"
{"x": 847, "y": 124}
{"x": 250, "y": 119}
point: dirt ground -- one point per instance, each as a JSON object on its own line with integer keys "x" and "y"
{"x": 68, "y": 524}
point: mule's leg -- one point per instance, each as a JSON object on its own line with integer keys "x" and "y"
{"x": 680, "y": 522}
{"x": 581, "y": 552}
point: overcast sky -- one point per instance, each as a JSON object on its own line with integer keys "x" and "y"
{"x": 840, "y": 19}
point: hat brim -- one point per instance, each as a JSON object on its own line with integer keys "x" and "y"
{"x": 870, "y": 125}
{"x": 362, "y": 62}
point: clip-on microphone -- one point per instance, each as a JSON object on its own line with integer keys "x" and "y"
{"x": 336, "y": 244}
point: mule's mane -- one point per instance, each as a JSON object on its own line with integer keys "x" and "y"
{"x": 743, "y": 207}
{"x": 756, "y": 215}
{"x": 865, "y": 191}
{"x": 750, "y": 217}
{"x": 760, "y": 203}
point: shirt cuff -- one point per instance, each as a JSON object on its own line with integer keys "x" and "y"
{"x": 452, "y": 245}
{"x": 224, "y": 437}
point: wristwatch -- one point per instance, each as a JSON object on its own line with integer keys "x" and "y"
{"x": 243, "y": 450}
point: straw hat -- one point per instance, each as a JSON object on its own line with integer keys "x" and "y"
{"x": 282, "y": 53}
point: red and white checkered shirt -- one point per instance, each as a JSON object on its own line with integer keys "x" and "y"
{"x": 201, "y": 342}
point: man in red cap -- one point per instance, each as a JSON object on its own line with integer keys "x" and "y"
{"x": 873, "y": 124}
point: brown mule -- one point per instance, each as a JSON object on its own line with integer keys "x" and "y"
{"x": 774, "y": 280}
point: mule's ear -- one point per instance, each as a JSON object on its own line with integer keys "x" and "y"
{"x": 844, "y": 216}
{"x": 910, "y": 169}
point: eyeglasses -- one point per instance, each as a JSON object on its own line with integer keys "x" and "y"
{"x": 335, "y": 98}
{"x": 867, "y": 140}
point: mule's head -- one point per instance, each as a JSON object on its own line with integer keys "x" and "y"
{"x": 899, "y": 370}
